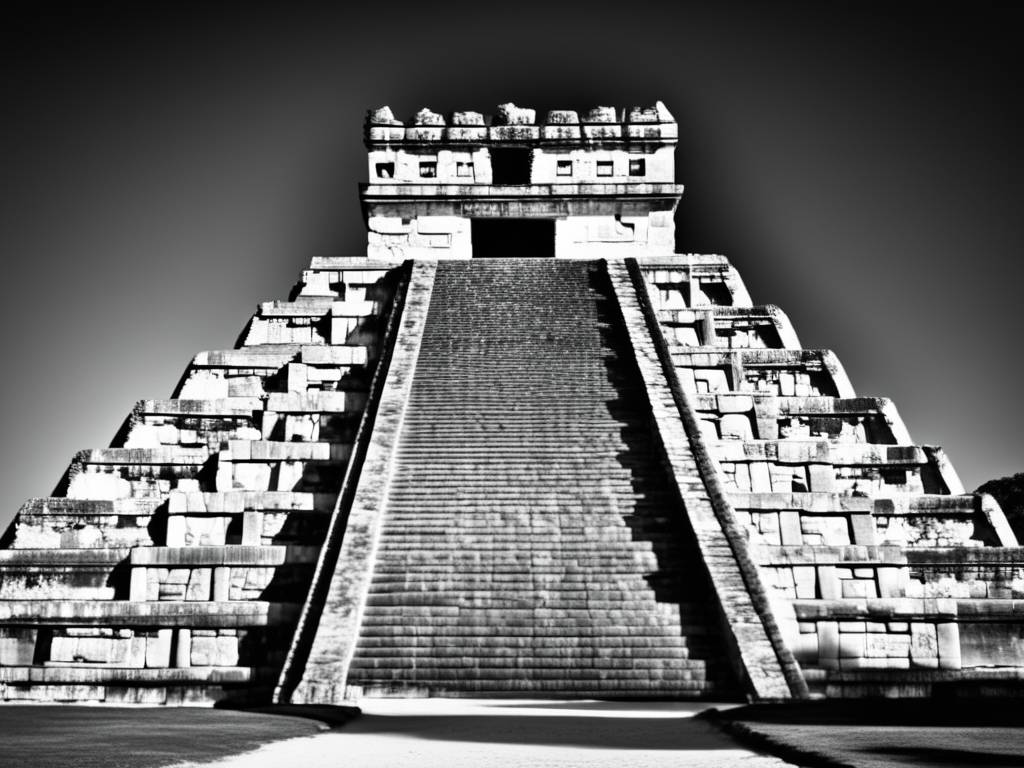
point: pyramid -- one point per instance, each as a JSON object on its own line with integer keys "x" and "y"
{"x": 520, "y": 448}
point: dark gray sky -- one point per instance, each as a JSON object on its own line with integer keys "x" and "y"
{"x": 166, "y": 166}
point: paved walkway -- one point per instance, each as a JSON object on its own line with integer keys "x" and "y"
{"x": 469, "y": 733}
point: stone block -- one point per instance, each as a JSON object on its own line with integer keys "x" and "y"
{"x": 221, "y": 584}
{"x": 143, "y": 436}
{"x": 890, "y": 582}
{"x": 760, "y": 477}
{"x": 203, "y": 651}
{"x": 176, "y": 528}
{"x": 17, "y": 646}
{"x": 138, "y": 589}
{"x": 805, "y": 581}
{"x": 252, "y": 528}
{"x": 859, "y": 588}
{"x": 828, "y": 583}
{"x": 832, "y": 530}
{"x": 391, "y": 225}
{"x": 851, "y": 645}
{"x": 948, "y": 642}
{"x": 828, "y": 640}
{"x": 198, "y": 588}
{"x": 887, "y": 646}
{"x": 924, "y": 649}
{"x": 245, "y": 386}
{"x": 227, "y": 651}
{"x": 768, "y": 526}
{"x": 789, "y": 526}
{"x": 863, "y": 527}
{"x": 154, "y": 579}
{"x": 177, "y": 576}
{"x": 742, "y": 477}
{"x": 822, "y": 477}
{"x": 787, "y": 384}
{"x": 137, "y": 651}
{"x": 158, "y": 649}
{"x": 735, "y": 403}
{"x": 289, "y": 475}
{"x": 736, "y": 426}
{"x": 98, "y": 485}
{"x": 183, "y": 648}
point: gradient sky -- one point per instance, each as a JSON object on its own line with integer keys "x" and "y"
{"x": 166, "y": 166}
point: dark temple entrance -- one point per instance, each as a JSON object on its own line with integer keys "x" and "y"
{"x": 511, "y": 238}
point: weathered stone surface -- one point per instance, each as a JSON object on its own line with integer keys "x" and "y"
{"x": 510, "y": 114}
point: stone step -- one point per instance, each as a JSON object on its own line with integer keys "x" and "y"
{"x": 514, "y": 678}
{"x": 520, "y": 647}
{"x": 610, "y": 668}
{"x": 539, "y": 413}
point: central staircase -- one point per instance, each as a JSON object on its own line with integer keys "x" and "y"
{"x": 532, "y": 541}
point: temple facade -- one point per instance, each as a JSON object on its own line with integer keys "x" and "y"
{"x": 521, "y": 447}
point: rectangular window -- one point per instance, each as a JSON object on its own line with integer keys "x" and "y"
{"x": 511, "y": 165}
{"x": 637, "y": 167}
{"x": 428, "y": 170}
{"x": 604, "y": 167}
{"x": 464, "y": 170}
{"x": 385, "y": 170}
{"x": 563, "y": 168}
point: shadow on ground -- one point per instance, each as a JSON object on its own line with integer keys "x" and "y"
{"x": 876, "y": 733}
{"x": 137, "y": 737}
{"x": 617, "y": 706}
{"x": 598, "y": 732}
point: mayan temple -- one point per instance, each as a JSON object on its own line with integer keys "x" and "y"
{"x": 519, "y": 448}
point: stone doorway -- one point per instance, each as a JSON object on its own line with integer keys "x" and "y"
{"x": 513, "y": 238}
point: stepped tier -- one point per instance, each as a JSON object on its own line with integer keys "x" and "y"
{"x": 884, "y": 577}
{"x": 171, "y": 567}
{"x": 742, "y": 416}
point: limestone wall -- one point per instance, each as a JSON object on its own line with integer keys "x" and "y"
{"x": 419, "y": 237}
{"x": 611, "y": 236}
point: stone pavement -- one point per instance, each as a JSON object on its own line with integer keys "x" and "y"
{"x": 512, "y": 733}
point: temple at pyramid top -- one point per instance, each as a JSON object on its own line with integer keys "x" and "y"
{"x": 590, "y": 185}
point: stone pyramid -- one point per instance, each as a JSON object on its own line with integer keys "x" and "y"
{"x": 520, "y": 448}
